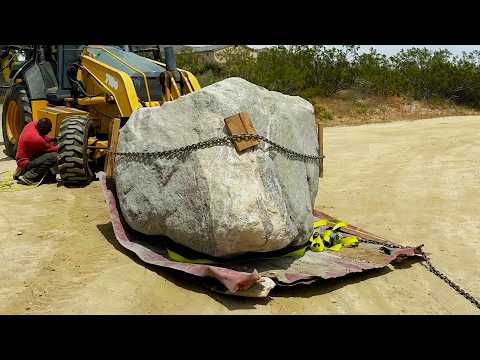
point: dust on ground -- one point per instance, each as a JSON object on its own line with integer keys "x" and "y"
{"x": 411, "y": 182}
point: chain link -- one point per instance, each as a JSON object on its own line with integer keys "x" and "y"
{"x": 429, "y": 266}
{"x": 168, "y": 154}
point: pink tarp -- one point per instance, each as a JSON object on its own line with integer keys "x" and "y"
{"x": 240, "y": 275}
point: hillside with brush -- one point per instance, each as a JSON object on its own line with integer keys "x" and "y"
{"x": 349, "y": 87}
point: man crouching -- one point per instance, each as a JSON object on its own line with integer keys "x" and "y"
{"x": 36, "y": 153}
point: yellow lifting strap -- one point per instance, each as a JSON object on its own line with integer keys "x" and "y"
{"x": 321, "y": 241}
{"x": 180, "y": 258}
{"x": 318, "y": 242}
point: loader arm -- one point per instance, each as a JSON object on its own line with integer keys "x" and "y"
{"x": 98, "y": 76}
{"x": 144, "y": 83}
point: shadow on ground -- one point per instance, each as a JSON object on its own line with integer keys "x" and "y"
{"x": 231, "y": 302}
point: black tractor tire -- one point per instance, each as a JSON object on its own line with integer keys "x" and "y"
{"x": 73, "y": 160}
{"x": 16, "y": 97}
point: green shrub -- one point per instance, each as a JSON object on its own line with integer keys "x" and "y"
{"x": 322, "y": 114}
{"x": 311, "y": 71}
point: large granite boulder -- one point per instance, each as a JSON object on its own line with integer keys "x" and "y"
{"x": 214, "y": 200}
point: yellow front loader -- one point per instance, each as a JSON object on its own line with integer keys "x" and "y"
{"x": 83, "y": 90}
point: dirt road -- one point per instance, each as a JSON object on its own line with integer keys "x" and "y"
{"x": 412, "y": 182}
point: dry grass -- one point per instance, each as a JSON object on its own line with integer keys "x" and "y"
{"x": 351, "y": 108}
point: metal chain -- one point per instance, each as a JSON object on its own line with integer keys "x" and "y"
{"x": 429, "y": 266}
{"x": 393, "y": 246}
{"x": 141, "y": 156}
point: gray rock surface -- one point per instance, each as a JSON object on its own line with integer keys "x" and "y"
{"x": 214, "y": 200}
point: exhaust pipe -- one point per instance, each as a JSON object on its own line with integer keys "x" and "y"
{"x": 171, "y": 64}
{"x": 170, "y": 60}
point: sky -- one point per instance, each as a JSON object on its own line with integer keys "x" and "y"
{"x": 393, "y": 49}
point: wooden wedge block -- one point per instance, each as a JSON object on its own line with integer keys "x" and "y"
{"x": 320, "y": 144}
{"x": 241, "y": 124}
{"x": 110, "y": 160}
{"x": 320, "y": 141}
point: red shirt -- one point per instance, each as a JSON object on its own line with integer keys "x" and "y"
{"x": 31, "y": 145}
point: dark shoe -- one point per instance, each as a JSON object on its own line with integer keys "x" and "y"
{"x": 25, "y": 181}
{"x": 18, "y": 172}
{"x": 32, "y": 175}
{"x": 30, "y": 180}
